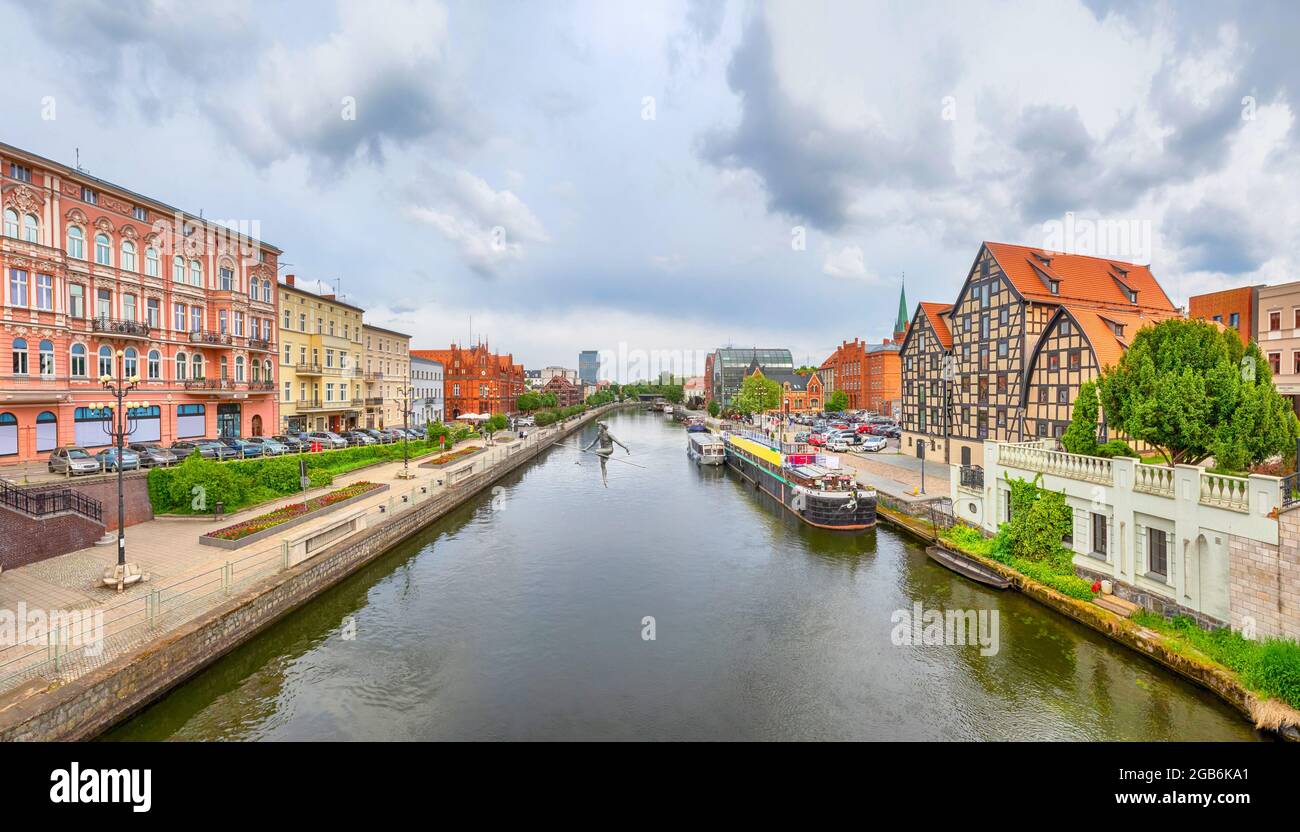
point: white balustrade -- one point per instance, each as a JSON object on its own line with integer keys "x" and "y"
{"x": 1225, "y": 491}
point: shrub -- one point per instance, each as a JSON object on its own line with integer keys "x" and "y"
{"x": 1275, "y": 670}
{"x": 1115, "y": 447}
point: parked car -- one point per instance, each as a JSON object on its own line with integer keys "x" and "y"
{"x": 801, "y": 437}
{"x": 152, "y": 454}
{"x": 108, "y": 459}
{"x": 837, "y": 443}
{"x": 874, "y": 444}
{"x": 328, "y": 439}
{"x": 817, "y": 440}
{"x": 270, "y": 447}
{"x": 391, "y": 434}
{"x": 359, "y": 437}
{"x": 242, "y": 447}
{"x": 292, "y": 442}
{"x": 72, "y": 460}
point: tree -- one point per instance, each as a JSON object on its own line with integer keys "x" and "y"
{"x": 1192, "y": 391}
{"x": 714, "y": 408}
{"x": 805, "y": 370}
{"x": 1081, "y": 436}
{"x": 757, "y": 395}
{"x": 838, "y": 401}
{"x": 528, "y": 402}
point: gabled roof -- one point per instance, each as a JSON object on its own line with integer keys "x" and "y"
{"x": 1082, "y": 279}
{"x": 1099, "y": 325}
{"x": 934, "y": 314}
{"x": 781, "y": 377}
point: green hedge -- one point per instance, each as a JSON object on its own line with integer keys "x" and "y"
{"x": 547, "y": 417}
{"x": 196, "y": 485}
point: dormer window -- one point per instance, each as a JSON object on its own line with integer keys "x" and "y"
{"x": 1055, "y": 286}
{"x": 1127, "y": 290}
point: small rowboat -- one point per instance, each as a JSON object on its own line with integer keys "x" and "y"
{"x": 966, "y": 567}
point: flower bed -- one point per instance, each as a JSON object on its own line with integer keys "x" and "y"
{"x": 446, "y": 459}
{"x": 264, "y": 525}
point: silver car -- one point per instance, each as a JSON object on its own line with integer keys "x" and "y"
{"x": 153, "y": 455}
{"x": 73, "y": 460}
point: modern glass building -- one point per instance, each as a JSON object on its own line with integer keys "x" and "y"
{"x": 588, "y": 366}
{"x": 730, "y": 366}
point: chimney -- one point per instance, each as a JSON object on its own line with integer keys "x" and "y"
{"x": 288, "y": 278}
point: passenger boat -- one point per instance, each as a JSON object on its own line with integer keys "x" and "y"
{"x": 668, "y": 410}
{"x": 705, "y": 448}
{"x": 967, "y": 567}
{"x": 789, "y": 471}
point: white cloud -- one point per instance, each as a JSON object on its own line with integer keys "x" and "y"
{"x": 847, "y": 262}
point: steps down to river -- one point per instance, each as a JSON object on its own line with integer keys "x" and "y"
{"x": 1116, "y": 605}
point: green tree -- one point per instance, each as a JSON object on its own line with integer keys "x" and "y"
{"x": 1039, "y": 520}
{"x": 1192, "y": 391}
{"x": 757, "y": 395}
{"x": 838, "y": 401}
{"x": 714, "y": 408}
{"x": 1081, "y": 436}
{"x": 805, "y": 370}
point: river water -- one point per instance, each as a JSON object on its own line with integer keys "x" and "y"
{"x": 520, "y": 616}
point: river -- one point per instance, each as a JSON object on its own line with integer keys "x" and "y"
{"x": 520, "y": 616}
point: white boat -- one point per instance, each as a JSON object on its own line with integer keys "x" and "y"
{"x": 706, "y": 449}
{"x": 668, "y": 410}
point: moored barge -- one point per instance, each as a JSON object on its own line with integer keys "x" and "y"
{"x": 818, "y": 494}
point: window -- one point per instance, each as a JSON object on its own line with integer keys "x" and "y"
{"x": 8, "y": 434}
{"x": 178, "y": 269}
{"x": 128, "y": 309}
{"x": 88, "y": 196}
{"x": 302, "y": 321}
{"x": 178, "y": 317}
{"x": 151, "y": 266}
{"x": 103, "y": 250}
{"x": 20, "y": 357}
{"x": 288, "y": 391}
{"x": 239, "y": 323}
{"x": 128, "y": 255}
{"x": 140, "y": 214}
{"x": 31, "y": 228}
{"x": 196, "y": 365}
{"x": 1274, "y": 321}
{"x": 252, "y": 288}
{"x": 196, "y": 319}
{"x": 103, "y": 303}
{"x": 225, "y": 367}
{"x": 227, "y": 279}
{"x": 1053, "y": 361}
{"x": 266, "y": 291}
{"x": 47, "y": 358}
{"x": 20, "y": 172}
{"x": 78, "y": 361}
{"x": 1275, "y": 362}
{"x": 11, "y": 223}
{"x": 1062, "y": 395}
{"x": 1234, "y": 320}
{"x": 1075, "y": 359}
{"x": 239, "y": 368}
{"x": 76, "y": 243}
{"x": 17, "y": 287}
{"x": 155, "y": 365}
{"x": 223, "y": 321}
{"x": 1065, "y": 327}
{"x": 1157, "y": 552}
{"x": 286, "y": 319}
{"x": 1099, "y": 534}
{"x": 105, "y": 362}
{"x": 180, "y": 366}
{"x": 196, "y": 273}
{"x": 45, "y": 292}
{"x": 152, "y": 312}
{"x": 130, "y": 362}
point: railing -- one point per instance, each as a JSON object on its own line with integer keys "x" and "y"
{"x": 1225, "y": 491}
{"x": 1032, "y": 457}
{"x": 114, "y": 326}
{"x": 375, "y": 400}
{"x": 209, "y": 384}
{"x": 309, "y": 368}
{"x": 374, "y": 376}
{"x": 1290, "y": 490}
{"x": 39, "y": 502}
{"x": 203, "y": 336}
{"x": 972, "y": 476}
{"x": 1154, "y": 479}
{"x": 259, "y": 344}
{"x": 261, "y": 385}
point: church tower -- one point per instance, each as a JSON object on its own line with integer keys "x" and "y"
{"x": 900, "y": 325}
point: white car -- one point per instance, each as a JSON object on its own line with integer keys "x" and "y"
{"x": 874, "y": 443}
{"x": 837, "y": 444}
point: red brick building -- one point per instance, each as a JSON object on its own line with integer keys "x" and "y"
{"x": 871, "y": 375}
{"x": 566, "y": 392}
{"x": 96, "y": 279}
{"x": 477, "y": 380}
{"x": 1236, "y": 308}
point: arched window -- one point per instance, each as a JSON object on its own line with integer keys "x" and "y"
{"x": 196, "y": 273}
{"x": 180, "y": 366}
{"x": 257, "y": 370}
{"x": 266, "y": 370}
{"x": 252, "y": 288}
{"x": 226, "y": 279}
{"x": 239, "y": 368}
{"x": 47, "y": 431}
{"x": 128, "y": 255}
{"x": 76, "y": 243}
{"x": 8, "y": 434}
{"x": 91, "y": 428}
{"x": 31, "y": 228}
{"x": 266, "y": 291}
{"x": 47, "y": 358}
{"x": 11, "y": 223}
{"x": 151, "y": 265}
{"x": 78, "y": 367}
{"x": 155, "y": 365}
{"x": 20, "y": 357}
{"x": 105, "y": 367}
{"x": 103, "y": 250}
{"x": 196, "y": 365}
{"x": 225, "y": 368}
{"x": 178, "y": 269}
{"x": 130, "y": 362}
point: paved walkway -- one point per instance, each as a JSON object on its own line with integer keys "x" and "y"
{"x": 178, "y": 566}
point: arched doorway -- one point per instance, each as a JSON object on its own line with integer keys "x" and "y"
{"x": 256, "y": 426}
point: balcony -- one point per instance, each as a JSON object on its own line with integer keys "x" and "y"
{"x": 215, "y": 339}
{"x": 209, "y": 384}
{"x": 374, "y": 376}
{"x": 375, "y": 400}
{"x": 972, "y": 478}
{"x": 309, "y": 370}
{"x": 120, "y": 328}
{"x": 261, "y": 386}
{"x": 261, "y": 344}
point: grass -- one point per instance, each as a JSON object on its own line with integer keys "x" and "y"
{"x": 1270, "y": 667}
{"x": 1055, "y": 570}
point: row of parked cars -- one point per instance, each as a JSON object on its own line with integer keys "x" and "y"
{"x": 845, "y": 432}
{"x": 75, "y": 460}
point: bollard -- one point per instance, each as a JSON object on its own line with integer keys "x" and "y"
{"x": 284, "y": 554}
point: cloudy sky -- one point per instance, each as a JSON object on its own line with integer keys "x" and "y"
{"x": 678, "y": 175}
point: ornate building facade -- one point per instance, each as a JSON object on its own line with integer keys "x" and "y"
{"x": 99, "y": 280}
{"x": 477, "y": 380}
{"x": 320, "y": 360}
{"x": 387, "y": 374}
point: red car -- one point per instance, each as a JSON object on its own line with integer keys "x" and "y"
{"x": 817, "y": 440}
{"x": 864, "y": 429}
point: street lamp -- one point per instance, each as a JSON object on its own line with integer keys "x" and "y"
{"x": 122, "y": 573}
{"x": 404, "y": 395}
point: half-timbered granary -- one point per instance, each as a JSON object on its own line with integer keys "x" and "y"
{"x": 1028, "y": 327}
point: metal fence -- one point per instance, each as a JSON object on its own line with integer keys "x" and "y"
{"x": 45, "y": 500}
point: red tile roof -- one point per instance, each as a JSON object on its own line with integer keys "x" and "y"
{"x": 934, "y": 313}
{"x": 1082, "y": 279}
{"x": 1106, "y": 344}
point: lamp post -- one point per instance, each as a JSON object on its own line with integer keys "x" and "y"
{"x": 122, "y": 573}
{"x": 404, "y": 395}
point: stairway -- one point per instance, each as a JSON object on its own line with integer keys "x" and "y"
{"x": 1117, "y": 605}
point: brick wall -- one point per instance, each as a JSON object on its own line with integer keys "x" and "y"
{"x": 25, "y": 540}
{"x": 1264, "y": 580}
{"x": 135, "y": 487}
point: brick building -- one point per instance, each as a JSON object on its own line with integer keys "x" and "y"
{"x": 96, "y": 279}
{"x": 799, "y": 393}
{"x": 869, "y": 374}
{"x": 477, "y": 380}
{"x": 566, "y": 392}
{"x": 1237, "y": 308}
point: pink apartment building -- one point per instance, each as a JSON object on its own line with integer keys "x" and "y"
{"x": 90, "y": 271}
